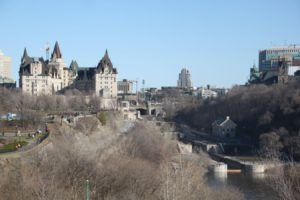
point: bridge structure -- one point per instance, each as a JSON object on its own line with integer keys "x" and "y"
{"x": 149, "y": 108}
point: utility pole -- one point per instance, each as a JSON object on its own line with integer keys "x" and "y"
{"x": 87, "y": 196}
{"x": 136, "y": 88}
{"x": 143, "y": 81}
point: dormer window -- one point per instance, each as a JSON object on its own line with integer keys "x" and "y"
{"x": 106, "y": 70}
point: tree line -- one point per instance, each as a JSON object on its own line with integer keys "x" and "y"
{"x": 267, "y": 116}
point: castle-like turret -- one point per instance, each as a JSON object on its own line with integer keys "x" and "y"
{"x": 106, "y": 62}
{"x": 56, "y": 52}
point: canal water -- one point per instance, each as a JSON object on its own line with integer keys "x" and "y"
{"x": 253, "y": 187}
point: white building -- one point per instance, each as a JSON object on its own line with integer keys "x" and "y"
{"x": 205, "y": 93}
{"x": 100, "y": 80}
{"x": 184, "y": 80}
{"x": 106, "y": 78}
{"x": 5, "y": 66}
{"x": 39, "y": 76}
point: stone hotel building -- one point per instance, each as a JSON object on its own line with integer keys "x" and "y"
{"x": 39, "y": 76}
{"x": 46, "y": 77}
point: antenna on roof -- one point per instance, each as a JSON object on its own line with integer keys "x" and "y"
{"x": 47, "y": 50}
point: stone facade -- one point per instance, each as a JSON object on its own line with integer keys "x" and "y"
{"x": 106, "y": 78}
{"x": 44, "y": 77}
{"x": 101, "y": 80}
{"x": 127, "y": 112}
{"x": 224, "y": 128}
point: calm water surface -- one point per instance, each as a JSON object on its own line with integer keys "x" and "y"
{"x": 253, "y": 187}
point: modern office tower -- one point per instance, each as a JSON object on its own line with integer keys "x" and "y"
{"x": 271, "y": 59}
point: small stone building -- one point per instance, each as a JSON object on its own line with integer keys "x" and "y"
{"x": 224, "y": 128}
{"x": 128, "y": 113}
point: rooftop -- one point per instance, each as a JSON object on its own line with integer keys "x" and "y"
{"x": 284, "y": 47}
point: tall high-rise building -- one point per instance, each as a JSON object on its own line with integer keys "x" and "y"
{"x": 184, "y": 80}
{"x": 271, "y": 59}
{"x": 5, "y": 66}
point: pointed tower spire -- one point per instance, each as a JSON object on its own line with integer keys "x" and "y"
{"x": 25, "y": 54}
{"x": 56, "y": 52}
{"x": 105, "y": 61}
{"x": 73, "y": 66}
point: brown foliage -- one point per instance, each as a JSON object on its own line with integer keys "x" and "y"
{"x": 138, "y": 164}
{"x": 87, "y": 125}
{"x": 285, "y": 181}
{"x": 257, "y": 109}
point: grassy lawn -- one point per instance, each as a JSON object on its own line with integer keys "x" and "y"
{"x": 10, "y": 147}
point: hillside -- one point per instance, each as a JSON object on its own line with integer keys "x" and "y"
{"x": 267, "y": 116}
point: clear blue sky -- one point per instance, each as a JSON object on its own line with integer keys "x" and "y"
{"x": 216, "y": 40}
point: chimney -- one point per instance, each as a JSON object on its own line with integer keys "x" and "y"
{"x": 227, "y": 118}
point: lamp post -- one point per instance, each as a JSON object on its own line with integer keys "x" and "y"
{"x": 87, "y": 190}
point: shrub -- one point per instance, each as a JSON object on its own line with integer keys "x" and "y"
{"x": 102, "y": 118}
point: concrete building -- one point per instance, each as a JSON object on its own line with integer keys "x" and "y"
{"x": 207, "y": 93}
{"x": 5, "y": 66}
{"x": 224, "y": 128}
{"x": 125, "y": 87}
{"x": 277, "y": 65}
{"x": 127, "y": 112}
{"x": 220, "y": 91}
{"x": 270, "y": 59}
{"x": 184, "y": 80}
{"x": 44, "y": 77}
